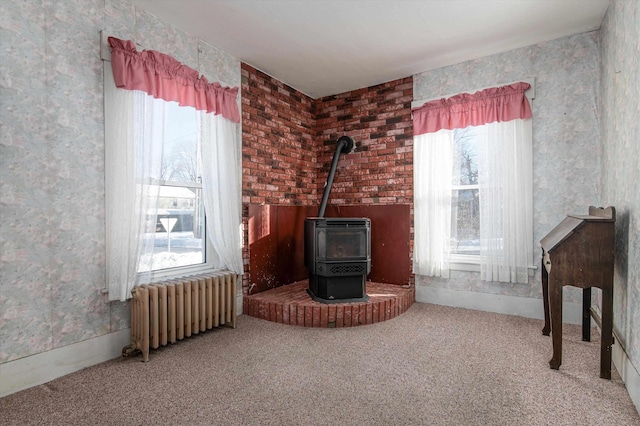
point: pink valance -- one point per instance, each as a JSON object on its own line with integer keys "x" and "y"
{"x": 163, "y": 77}
{"x": 486, "y": 106}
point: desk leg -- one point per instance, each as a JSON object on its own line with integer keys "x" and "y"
{"x": 545, "y": 298}
{"x": 555, "y": 305}
{"x": 586, "y": 314}
{"x": 607, "y": 332}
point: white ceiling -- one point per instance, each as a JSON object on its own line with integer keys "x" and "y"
{"x": 328, "y": 47}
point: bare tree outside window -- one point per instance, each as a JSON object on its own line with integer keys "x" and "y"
{"x": 465, "y": 208}
{"x": 180, "y": 231}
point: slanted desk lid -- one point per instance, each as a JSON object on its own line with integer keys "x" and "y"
{"x": 561, "y": 232}
{"x": 573, "y": 222}
{"x": 589, "y": 217}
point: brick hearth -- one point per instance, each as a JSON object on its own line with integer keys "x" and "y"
{"x": 290, "y": 304}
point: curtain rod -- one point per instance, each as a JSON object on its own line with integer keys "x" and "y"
{"x": 530, "y": 94}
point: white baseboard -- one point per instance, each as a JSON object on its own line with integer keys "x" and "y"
{"x": 628, "y": 372}
{"x": 41, "y": 368}
{"x": 510, "y": 305}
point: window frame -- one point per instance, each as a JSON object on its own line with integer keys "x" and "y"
{"x": 464, "y": 262}
{"x": 459, "y": 261}
{"x": 179, "y": 271}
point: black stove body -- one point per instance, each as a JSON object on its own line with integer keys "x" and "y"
{"x": 337, "y": 251}
{"x": 338, "y": 256}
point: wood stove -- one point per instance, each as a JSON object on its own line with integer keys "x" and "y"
{"x": 337, "y": 251}
{"x": 338, "y": 256}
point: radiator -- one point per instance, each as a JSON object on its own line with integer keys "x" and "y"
{"x": 168, "y": 311}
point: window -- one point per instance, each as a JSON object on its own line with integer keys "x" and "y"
{"x": 172, "y": 154}
{"x": 465, "y": 197}
{"x": 473, "y": 185}
{"x": 179, "y": 237}
{"x": 161, "y": 142}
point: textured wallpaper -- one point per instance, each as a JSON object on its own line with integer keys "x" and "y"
{"x": 566, "y": 141}
{"x": 25, "y": 237}
{"x": 52, "y": 163}
{"x": 620, "y": 106}
{"x": 52, "y": 155}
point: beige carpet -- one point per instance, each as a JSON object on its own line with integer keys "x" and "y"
{"x": 433, "y": 365}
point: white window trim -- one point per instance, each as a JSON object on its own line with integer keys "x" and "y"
{"x": 464, "y": 262}
{"x": 181, "y": 271}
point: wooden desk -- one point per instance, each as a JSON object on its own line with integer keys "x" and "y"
{"x": 579, "y": 252}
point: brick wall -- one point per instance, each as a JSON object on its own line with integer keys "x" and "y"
{"x": 288, "y": 141}
{"x": 380, "y": 171}
{"x": 278, "y": 142}
{"x": 378, "y": 119}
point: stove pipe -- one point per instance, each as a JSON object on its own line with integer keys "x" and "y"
{"x": 345, "y": 145}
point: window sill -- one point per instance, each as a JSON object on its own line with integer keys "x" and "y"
{"x": 464, "y": 262}
{"x": 472, "y": 264}
{"x": 179, "y": 272}
{"x": 463, "y": 266}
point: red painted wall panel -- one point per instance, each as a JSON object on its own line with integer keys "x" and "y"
{"x": 390, "y": 239}
{"x": 276, "y": 237}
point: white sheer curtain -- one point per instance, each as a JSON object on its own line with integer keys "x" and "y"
{"x": 433, "y": 166}
{"x": 502, "y": 115}
{"x": 221, "y": 189}
{"x": 134, "y": 129}
{"x": 505, "y": 162}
